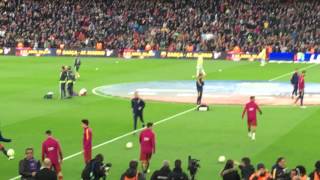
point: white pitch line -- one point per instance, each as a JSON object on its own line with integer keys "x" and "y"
{"x": 123, "y": 136}
{"x": 289, "y": 73}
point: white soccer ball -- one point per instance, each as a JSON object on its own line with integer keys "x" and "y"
{"x": 221, "y": 159}
{"x": 83, "y": 92}
{"x": 129, "y": 145}
{"x": 10, "y": 152}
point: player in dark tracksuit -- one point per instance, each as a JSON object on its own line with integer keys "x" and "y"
{"x": 63, "y": 80}
{"x": 70, "y": 81}
{"x": 295, "y": 81}
{"x": 200, "y": 84}
{"x": 137, "y": 105}
{"x": 77, "y": 63}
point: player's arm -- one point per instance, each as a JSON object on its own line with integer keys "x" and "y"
{"x": 43, "y": 151}
{"x": 258, "y": 108}
{"x": 60, "y": 153}
{"x": 153, "y": 142}
{"x": 244, "y": 111}
{"x": 132, "y": 103}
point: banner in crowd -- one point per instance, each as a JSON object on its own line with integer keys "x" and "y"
{"x": 6, "y": 51}
{"x": 281, "y": 56}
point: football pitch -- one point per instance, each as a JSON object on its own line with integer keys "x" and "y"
{"x": 287, "y": 131}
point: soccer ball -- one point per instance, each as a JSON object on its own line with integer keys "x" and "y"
{"x": 129, "y": 145}
{"x": 221, "y": 159}
{"x": 83, "y": 92}
{"x": 10, "y": 152}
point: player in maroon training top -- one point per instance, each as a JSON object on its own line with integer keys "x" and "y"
{"x": 301, "y": 86}
{"x": 51, "y": 149}
{"x": 87, "y": 141}
{"x": 147, "y": 147}
{"x": 251, "y": 109}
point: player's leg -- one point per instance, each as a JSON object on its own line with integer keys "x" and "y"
{"x": 87, "y": 155}
{"x": 4, "y": 151}
{"x": 140, "y": 116}
{"x": 249, "y": 129}
{"x": 4, "y": 139}
{"x": 253, "y": 131}
{"x": 135, "y": 120}
{"x": 297, "y": 99}
{"x": 301, "y": 97}
{"x": 57, "y": 169}
{"x": 62, "y": 90}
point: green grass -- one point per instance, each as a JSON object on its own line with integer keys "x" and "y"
{"x": 24, "y": 116}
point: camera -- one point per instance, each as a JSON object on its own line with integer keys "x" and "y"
{"x": 193, "y": 166}
{"x": 107, "y": 168}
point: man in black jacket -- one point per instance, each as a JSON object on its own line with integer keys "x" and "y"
{"x": 177, "y": 173}
{"x": 163, "y": 173}
{"x": 279, "y": 171}
{"x": 294, "y": 81}
{"x": 137, "y": 105}
{"x": 46, "y": 173}
{"x": 29, "y": 166}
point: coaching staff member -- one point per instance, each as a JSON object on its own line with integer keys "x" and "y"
{"x": 29, "y": 166}
{"x": 295, "y": 81}
{"x": 137, "y": 105}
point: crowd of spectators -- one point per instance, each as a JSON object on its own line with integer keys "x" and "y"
{"x": 184, "y": 25}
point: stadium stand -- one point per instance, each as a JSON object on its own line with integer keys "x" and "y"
{"x": 186, "y": 25}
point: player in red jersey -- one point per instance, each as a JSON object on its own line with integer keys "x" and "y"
{"x": 251, "y": 109}
{"x": 87, "y": 141}
{"x": 301, "y": 86}
{"x": 147, "y": 147}
{"x": 51, "y": 149}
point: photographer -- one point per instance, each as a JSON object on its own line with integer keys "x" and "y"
{"x": 193, "y": 166}
{"x": 95, "y": 169}
{"x": 132, "y": 173}
{"x": 246, "y": 168}
{"x": 177, "y": 173}
{"x": 229, "y": 171}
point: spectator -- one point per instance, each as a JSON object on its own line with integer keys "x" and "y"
{"x": 46, "y": 173}
{"x": 132, "y": 172}
{"x": 163, "y": 173}
{"x": 219, "y": 25}
{"x": 261, "y": 173}
{"x": 229, "y": 171}
{"x": 302, "y": 172}
{"x": 177, "y": 172}
{"x": 279, "y": 171}
{"x": 29, "y": 166}
{"x": 315, "y": 175}
{"x": 246, "y": 168}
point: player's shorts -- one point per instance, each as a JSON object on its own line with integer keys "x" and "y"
{"x": 252, "y": 122}
{"x": 57, "y": 168}
{"x": 87, "y": 156}
{"x": 145, "y": 156}
{"x": 1, "y": 146}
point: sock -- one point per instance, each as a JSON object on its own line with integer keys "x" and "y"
{"x": 253, "y": 136}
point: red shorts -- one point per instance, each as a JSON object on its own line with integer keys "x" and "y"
{"x": 57, "y": 168}
{"x": 87, "y": 156}
{"x": 145, "y": 156}
{"x": 252, "y": 122}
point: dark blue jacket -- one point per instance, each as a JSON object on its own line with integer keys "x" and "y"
{"x": 137, "y": 105}
{"x": 295, "y": 79}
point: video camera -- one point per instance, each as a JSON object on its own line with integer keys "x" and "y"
{"x": 193, "y": 166}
